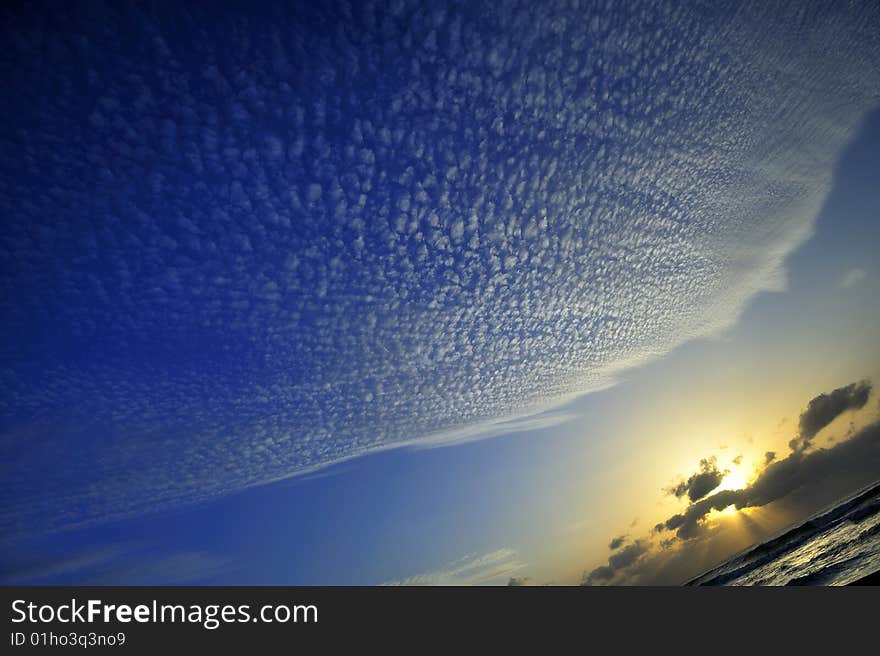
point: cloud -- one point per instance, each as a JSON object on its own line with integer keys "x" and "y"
{"x": 853, "y": 277}
{"x": 492, "y": 568}
{"x": 187, "y": 567}
{"x": 602, "y": 574}
{"x": 118, "y": 564}
{"x": 687, "y": 524}
{"x": 515, "y": 582}
{"x": 807, "y": 479}
{"x": 825, "y": 408}
{"x": 48, "y": 568}
{"x": 502, "y": 426}
{"x": 618, "y": 562}
{"x": 617, "y": 542}
{"x": 233, "y": 267}
{"x": 700, "y": 484}
{"x": 782, "y": 477}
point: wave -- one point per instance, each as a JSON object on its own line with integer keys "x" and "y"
{"x": 827, "y": 525}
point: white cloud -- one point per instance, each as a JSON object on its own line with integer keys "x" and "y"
{"x": 493, "y": 568}
{"x": 853, "y": 277}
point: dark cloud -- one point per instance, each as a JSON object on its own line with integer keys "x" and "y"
{"x": 803, "y": 481}
{"x": 687, "y": 523}
{"x": 628, "y": 555}
{"x": 601, "y": 574}
{"x": 783, "y": 477}
{"x": 700, "y": 484}
{"x": 678, "y": 490}
{"x": 779, "y": 478}
{"x": 673, "y": 522}
{"x": 620, "y": 561}
{"x": 617, "y": 542}
{"x": 825, "y": 408}
{"x": 518, "y": 581}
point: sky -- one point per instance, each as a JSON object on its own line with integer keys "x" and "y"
{"x": 432, "y": 293}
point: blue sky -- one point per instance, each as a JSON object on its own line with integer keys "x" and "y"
{"x": 252, "y": 254}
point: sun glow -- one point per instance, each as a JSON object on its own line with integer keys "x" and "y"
{"x": 735, "y": 479}
{"x": 724, "y": 514}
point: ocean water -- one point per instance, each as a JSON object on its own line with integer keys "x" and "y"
{"x": 837, "y": 547}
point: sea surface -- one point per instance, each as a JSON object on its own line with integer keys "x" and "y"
{"x": 835, "y": 547}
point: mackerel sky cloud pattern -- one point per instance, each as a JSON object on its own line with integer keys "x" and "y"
{"x": 230, "y": 259}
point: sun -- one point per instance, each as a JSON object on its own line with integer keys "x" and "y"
{"x": 735, "y": 479}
